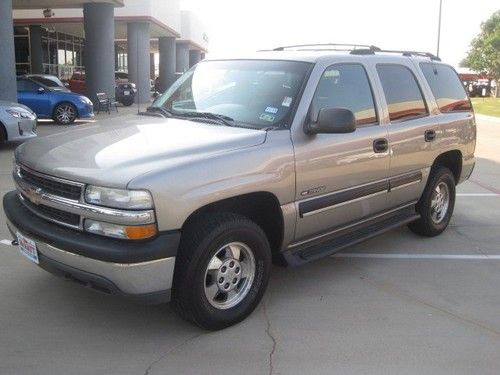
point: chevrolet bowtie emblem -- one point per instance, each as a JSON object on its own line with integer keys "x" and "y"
{"x": 35, "y": 195}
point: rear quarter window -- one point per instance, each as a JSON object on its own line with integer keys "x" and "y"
{"x": 447, "y": 89}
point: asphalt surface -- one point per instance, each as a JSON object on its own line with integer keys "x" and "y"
{"x": 398, "y": 304}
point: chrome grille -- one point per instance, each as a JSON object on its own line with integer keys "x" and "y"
{"x": 53, "y": 214}
{"x": 61, "y": 201}
{"x": 52, "y": 186}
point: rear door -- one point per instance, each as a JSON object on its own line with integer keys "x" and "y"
{"x": 340, "y": 178}
{"x": 410, "y": 131}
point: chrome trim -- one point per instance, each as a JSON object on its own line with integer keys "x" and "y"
{"x": 406, "y": 185}
{"x": 45, "y": 217}
{"x": 342, "y": 190}
{"x": 344, "y": 203}
{"x": 134, "y": 278}
{"x": 48, "y": 177}
{"x": 87, "y": 211}
{"x": 351, "y": 225}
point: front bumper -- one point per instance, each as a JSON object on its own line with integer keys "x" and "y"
{"x": 137, "y": 270}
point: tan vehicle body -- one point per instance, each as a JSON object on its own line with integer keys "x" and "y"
{"x": 302, "y": 189}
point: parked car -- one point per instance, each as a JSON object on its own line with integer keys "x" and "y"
{"x": 288, "y": 154}
{"x": 50, "y": 81}
{"x": 125, "y": 91}
{"x": 49, "y": 103}
{"x": 17, "y": 122}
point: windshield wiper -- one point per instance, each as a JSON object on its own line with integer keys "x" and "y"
{"x": 161, "y": 110}
{"x": 226, "y": 120}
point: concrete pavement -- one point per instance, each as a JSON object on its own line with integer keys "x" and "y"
{"x": 397, "y": 304}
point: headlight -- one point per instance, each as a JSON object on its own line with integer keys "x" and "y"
{"x": 119, "y": 198}
{"x": 141, "y": 232}
{"x": 20, "y": 113}
{"x": 85, "y": 100}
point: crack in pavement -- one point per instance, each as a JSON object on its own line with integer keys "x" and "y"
{"x": 164, "y": 355}
{"x": 268, "y": 332}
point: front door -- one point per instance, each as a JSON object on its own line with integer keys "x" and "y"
{"x": 341, "y": 178}
{"x": 34, "y": 96}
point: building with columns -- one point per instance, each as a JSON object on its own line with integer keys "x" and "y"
{"x": 145, "y": 38}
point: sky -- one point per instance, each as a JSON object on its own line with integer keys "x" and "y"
{"x": 238, "y": 26}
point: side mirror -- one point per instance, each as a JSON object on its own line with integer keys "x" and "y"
{"x": 40, "y": 90}
{"x": 332, "y": 120}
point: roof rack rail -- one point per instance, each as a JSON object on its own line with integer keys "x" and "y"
{"x": 414, "y": 53}
{"x": 355, "y": 49}
{"x": 354, "y": 46}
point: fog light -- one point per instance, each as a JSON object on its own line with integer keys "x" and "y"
{"x": 121, "y": 231}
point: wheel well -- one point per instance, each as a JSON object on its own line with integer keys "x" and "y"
{"x": 3, "y": 132}
{"x": 451, "y": 160}
{"x": 65, "y": 102}
{"x": 263, "y": 208}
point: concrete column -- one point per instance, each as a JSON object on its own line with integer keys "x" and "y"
{"x": 99, "y": 26}
{"x": 194, "y": 57}
{"x": 7, "y": 56}
{"x": 167, "y": 62}
{"x": 152, "y": 65}
{"x": 138, "y": 35}
{"x": 36, "y": 55}
{"x": 182, "y": 57}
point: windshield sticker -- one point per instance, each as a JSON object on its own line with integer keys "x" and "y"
{"x": 267, "y": 117}
{"x": 272, "y": 110}
{"x": 287, "y": 101}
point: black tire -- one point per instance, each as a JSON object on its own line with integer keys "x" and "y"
{"x": 429, "y": 225}
{"x": 201, "y": 241}
{"x": 65, "y": 114}
{"x": 127, "y": 101}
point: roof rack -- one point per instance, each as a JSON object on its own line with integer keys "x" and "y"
{"x": 344, "y": 46}
{"x": 414, "y": 53}
{"x": 355, "y": 49}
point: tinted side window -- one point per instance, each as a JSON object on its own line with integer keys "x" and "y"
{"x": 346, "y": 86}
{"x": 446, "y": 87}
{"x": 402, "y": 93}
{"x": 25, "y": 85}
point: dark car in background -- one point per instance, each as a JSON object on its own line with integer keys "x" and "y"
{"x": 125, "y": 91}
{"x": 55, "y": 103}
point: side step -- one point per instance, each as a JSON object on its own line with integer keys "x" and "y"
{"x": 353, "y": 235}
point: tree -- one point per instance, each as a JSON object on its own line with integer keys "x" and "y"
{"x": 484, "y": 54}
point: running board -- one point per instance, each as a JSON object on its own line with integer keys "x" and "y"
{"x": 347, "y": 237}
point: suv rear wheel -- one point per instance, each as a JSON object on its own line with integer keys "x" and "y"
{"x": 436, "y": 204}
{"x": 221, "y": 271}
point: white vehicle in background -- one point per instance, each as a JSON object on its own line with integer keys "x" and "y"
{"x": 17, "y": 122}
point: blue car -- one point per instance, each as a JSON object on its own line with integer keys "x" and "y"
{"x": 51, "y": 101}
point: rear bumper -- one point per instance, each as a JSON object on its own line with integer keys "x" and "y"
{"x": 106, "y": 265}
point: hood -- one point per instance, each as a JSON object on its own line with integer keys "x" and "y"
{"x": 5, "y": 104}
{"x": 115, "y": 151}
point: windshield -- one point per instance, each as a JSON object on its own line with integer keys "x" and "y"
{"x": 258, "y": 93}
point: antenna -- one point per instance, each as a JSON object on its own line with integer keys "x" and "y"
{"x": 137, "y": 70}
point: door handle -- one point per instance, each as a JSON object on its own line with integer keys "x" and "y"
{"x": 429, "y": 135}
{"x": 380, "y": 145}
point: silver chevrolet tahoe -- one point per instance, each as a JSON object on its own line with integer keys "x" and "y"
{"x": 287, "y": 155}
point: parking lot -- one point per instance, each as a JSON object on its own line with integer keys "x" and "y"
{"x": 397, "y": 304}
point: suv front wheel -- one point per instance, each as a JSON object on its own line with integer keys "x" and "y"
{"x": 436, "y": 204}
{"x": 221, "y": 271}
